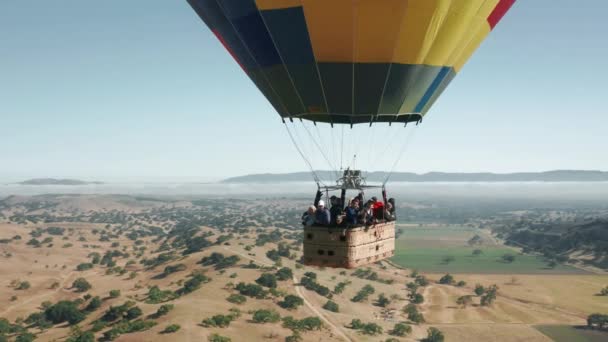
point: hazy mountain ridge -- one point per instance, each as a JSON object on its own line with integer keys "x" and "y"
{"x": 379, "y": 176}
{"x": 55, "y": 181}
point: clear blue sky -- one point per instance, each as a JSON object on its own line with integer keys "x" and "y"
{"x": 140, "y": 89}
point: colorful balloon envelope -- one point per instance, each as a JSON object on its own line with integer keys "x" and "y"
{"x": 351, "y": 61}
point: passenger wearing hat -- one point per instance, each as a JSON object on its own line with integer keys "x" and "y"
{"x": 323, "y": 216}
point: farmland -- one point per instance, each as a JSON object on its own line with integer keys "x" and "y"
{"x": 444, "y": 248}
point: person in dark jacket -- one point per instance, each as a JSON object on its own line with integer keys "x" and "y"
{"x": 393, "y": 209}
{"x": 352, "y": 212}
{"x": 336, "y": 209}
{"x": 322, "y": 216}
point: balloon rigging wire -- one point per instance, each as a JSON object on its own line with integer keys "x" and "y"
{"x": 319, "y": 148}
{"x": 295, "y": 144}
{"x": 406, "y": 142}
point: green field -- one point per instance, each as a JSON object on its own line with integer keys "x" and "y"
{"x": 424, "y": 248}
{"x": 567, "y": 333}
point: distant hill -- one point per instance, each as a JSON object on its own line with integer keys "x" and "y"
{"x": 379, "y": 176}
{"x": 54, "y": 181}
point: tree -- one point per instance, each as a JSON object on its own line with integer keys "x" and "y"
{"x": 266, "y": 316}
{"x": 479, "y": 290}
{"x": 163, "y": 310}
{"x": 94, "y": 304}
{"x": 291, "y": 302}
{"x": 464, "y": 301}
{"x": 81, "y": 285}
{"x": 447, "y": 279}
{"x": 461, "y": 283}
{"x": 597, "y": 320}
{"x": 171, "y": 329}
{"x": 382, "y": 300}
{"x": 401, "y": 329}
{"x": 133, "y": 313}
{"x": 236, "y": 298}
{"x": 24, "y": 285}
{"x": 604, "y": 291}
{"x": 434, "y": 335}
{"x": 411, "y": 286}
{"x": 475, "y": 240}
{"x": 416, "y": 298}
{"x": 331, "y": 306}
{"x": 372, "y": 329}
{"x": 219, "y": 338}
{"x": 284, "y": 273}
{"x": 490, "y": 296}
{"x": 64, "y": 311}
{"x": 447, "y": 259}
{"x": 421, "y": 281}
{"x": 477, "y": 252}
{"x": 267, "y": 280}
{"x": 508, "y": 258}
{"x": 77, "y": 335}
{"x": 114, "y": 293}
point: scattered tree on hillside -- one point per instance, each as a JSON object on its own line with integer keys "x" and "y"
{"x": 508, "y": 258}
{"x": 597, "y": 320}
{"x": 331, "y": 306}
{"x": 464, "y": 301}
{"x": 400, "y": 329}
{"x": 447, "y": 279}
{"x": 447, "y": 259}
{"x": 291, "y": 302}
{"x": 490, "y": 296}
{"x": 81, "y": 285}
{"x": 433, "y": 335}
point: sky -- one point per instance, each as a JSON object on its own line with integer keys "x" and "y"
{"x": 141, "y": 90}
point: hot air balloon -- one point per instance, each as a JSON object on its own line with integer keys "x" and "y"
{"x": 331, "y": 66}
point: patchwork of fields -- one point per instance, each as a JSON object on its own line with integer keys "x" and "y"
{"x": 443, "y": 249}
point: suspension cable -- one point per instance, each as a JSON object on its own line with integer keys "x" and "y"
{"x": 320, "y": 149}
{"x": 295, "y": 144}
{"x": 408, "y": 138}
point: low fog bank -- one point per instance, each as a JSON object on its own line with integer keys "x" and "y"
{"x": 592, "y": 192}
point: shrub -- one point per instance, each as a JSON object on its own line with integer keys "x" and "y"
{"x": 24, "y": 285}
{"x": 382, "y": 301}
{"x": 508, "y": 258}
{"x": 156, "y": 295}
{"x": 236, "y": 298}
{"x": 217, "y": 321}
{"x": 433, "y": 335}
{"x": 266, "y": 316}
{"x": 219, "y": 338}
{"x": 163, "y": 310}
{"x": 479, "y": 290}
{"x": 447, "y": 279}
{"x": 267, "y": 280}
{"x": 251, "y": 290}
{"x": 305, "y": 324}
{"x": 81, "y": 285}
{"x": 363, "y": 293}
{"x": 114, "y": 293}
{"x": 64, "y": 311}
{"x": 171, "y": 329}
{"x": 490, "y": 296}
{"x": 193, "y": 283}
{"x": 331, "y": 306}
{"x": 401, "y": 329}
{"x": 291, "y": 302}
{"x": 84, "y": 266}
{"x": 464, "y": 300}
{"x": 93, "y": 305}
{"x": 284, "y": 273}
